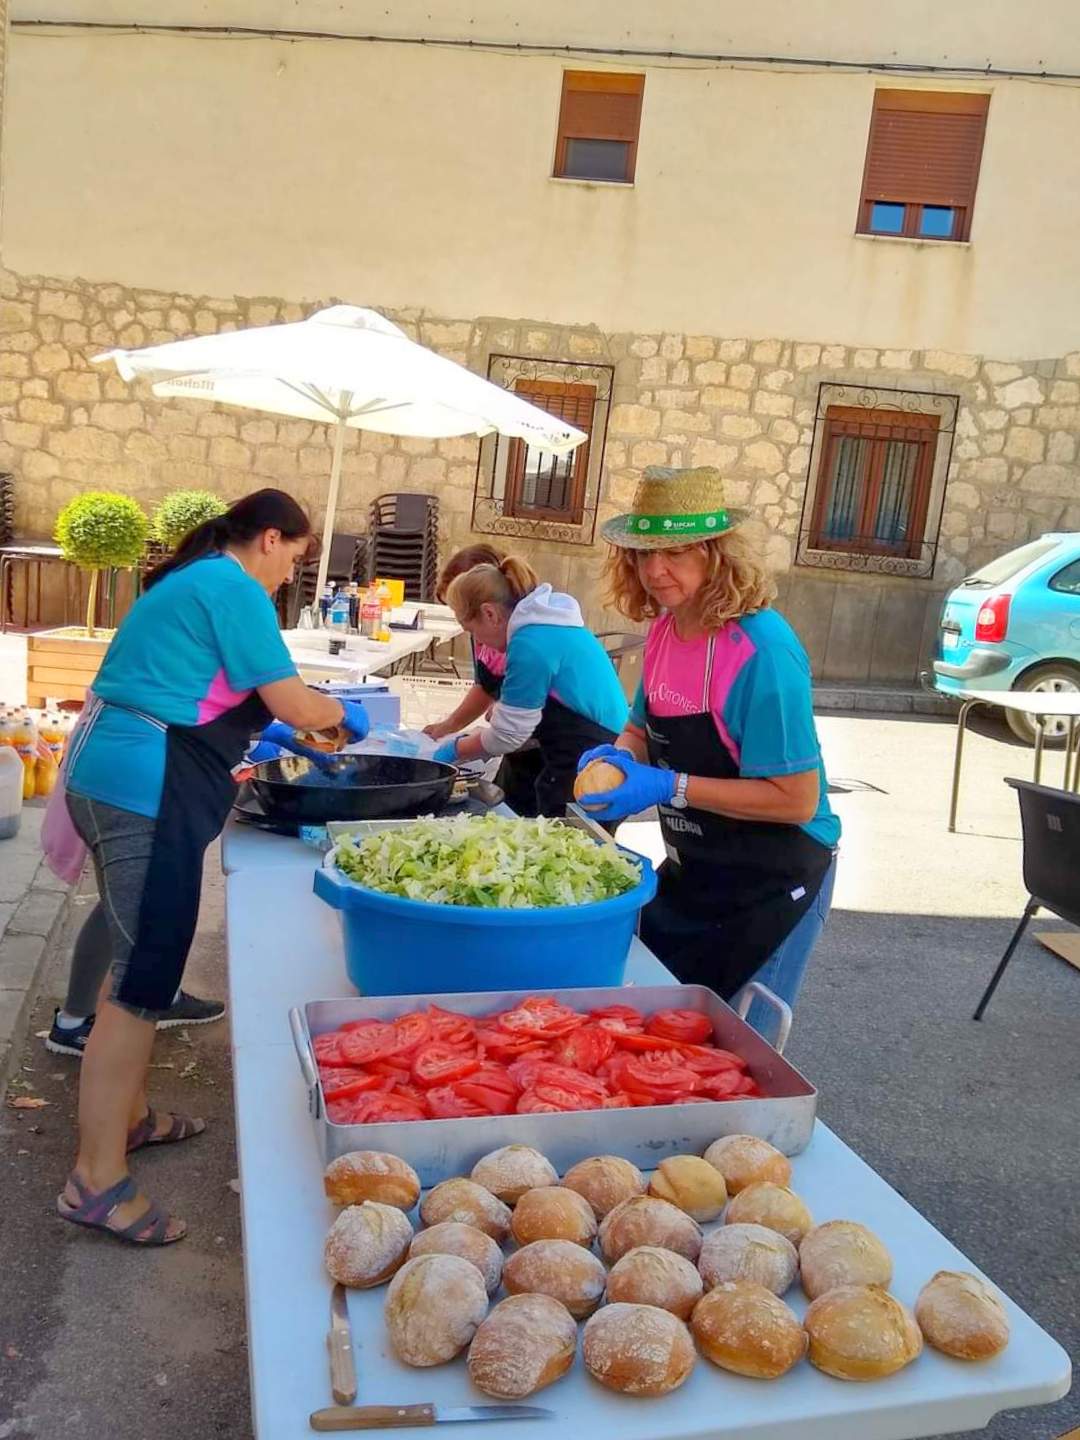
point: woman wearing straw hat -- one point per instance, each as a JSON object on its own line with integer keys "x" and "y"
{"x": 721, "y": 738}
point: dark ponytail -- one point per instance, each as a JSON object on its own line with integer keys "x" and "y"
{"x": 249, "y": 517}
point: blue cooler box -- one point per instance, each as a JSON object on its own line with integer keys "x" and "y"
{"x": 395, "y": 946}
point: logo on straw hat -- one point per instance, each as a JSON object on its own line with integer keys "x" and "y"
{"x": 675, "y": 507}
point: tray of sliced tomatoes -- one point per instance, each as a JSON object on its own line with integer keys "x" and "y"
{"x": 643, "y": 1071}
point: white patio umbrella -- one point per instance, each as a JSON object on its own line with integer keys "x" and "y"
{"x": 344, "y": 366}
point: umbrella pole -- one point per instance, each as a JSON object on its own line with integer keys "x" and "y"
{"x": 331, "y": 500}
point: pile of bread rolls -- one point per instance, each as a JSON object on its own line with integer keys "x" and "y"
{"x": 659, "y": 1283}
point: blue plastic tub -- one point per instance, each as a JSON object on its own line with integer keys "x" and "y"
{"x": 395, "y": 946}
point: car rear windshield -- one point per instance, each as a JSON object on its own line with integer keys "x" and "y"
{"x": 1006, "y": 566}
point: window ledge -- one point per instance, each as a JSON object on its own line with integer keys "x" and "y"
{"x": 591, "y": 184}
{"x": 913, "y": 240}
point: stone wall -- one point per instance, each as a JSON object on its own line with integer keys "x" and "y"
{"x": 746, "y": 405}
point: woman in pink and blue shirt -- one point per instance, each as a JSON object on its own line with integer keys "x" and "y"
{"x": 721, "y": 738}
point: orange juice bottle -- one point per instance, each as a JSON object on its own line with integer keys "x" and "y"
{"x": 26, "y": 745}
{"x": 50, "y": 751}
{"x": 53, "y": 731}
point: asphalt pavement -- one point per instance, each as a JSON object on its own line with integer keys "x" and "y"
{"x": 976, "y": 1125}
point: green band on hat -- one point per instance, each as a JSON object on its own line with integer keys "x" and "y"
{"x": 709, "y": 522}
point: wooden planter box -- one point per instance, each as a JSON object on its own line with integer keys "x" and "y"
{"x": 61, "y": 664}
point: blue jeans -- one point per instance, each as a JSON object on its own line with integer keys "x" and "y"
{"x": 784, "y": 970}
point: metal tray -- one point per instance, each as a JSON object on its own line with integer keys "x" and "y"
{"x": 438, "y": 1149}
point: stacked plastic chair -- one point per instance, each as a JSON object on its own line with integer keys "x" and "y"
{"x": 7, "y": 508}
{"x": 403, "y": 542}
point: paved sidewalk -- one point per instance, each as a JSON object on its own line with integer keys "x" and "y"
{"x": 33, "y": 907}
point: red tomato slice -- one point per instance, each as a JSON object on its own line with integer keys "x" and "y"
{"x": 634, "y": 1040}
{"x": 531, "y": 1104}
{"x": 541, "y": 1018}
{"x": 495, "y": 1077}
{"x": 722, "y": 1085}
{"x": 707, "y": 1061}
{"x": 337, "y": 1083}
{"x": 395, "y": 1067}
{"x": 689, "y": 1027}
{"x": 437, "y": 1063}
{"x": 340, "y": 1112}
{"x": 568, "y": 1097}
{"x": 585, "y": 1049}
{"x": 410, "y": 1092}
{"x": 413, "y": 1029}
{"x": 654, "y": 1075}
{"x": 619, "y": 1101}
{"x": 490, "y": 1100}
{"x": 618, "y": 1018}
{"x": 565, "y": 1077}
{"x": 383, "y": 1109}
{"x": 351, "y": 1025}
{"x": 327, "y": 1048}
{"x": 449, "y": 1026}
{"x": 503, "y": 1046}
{"x": 376, "y": 1040}
{"x": 444, "y": 1103}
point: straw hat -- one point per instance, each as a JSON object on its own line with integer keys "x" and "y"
{"x": 674, "y": 507}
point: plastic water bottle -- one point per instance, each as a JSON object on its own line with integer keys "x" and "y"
{"x": 338, "y": 619}
{"x": 325, "y": 601}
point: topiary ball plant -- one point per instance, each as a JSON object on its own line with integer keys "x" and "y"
{"x": 181, "y": 511}
{"x": 101, "y": 530}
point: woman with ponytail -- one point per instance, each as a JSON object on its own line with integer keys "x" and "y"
{"x": 195, "y": 670}
{"x": 559, "y": 686}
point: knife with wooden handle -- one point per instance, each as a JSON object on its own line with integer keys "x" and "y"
{"x": 340, "y": 1348}
{"x": 408, "y": 1417}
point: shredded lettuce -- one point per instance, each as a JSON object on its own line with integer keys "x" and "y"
{"x": 488, "y": 861}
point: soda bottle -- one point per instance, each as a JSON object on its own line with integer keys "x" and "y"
{"x": 26, "y": 745}
{"x": 370, "y": 613}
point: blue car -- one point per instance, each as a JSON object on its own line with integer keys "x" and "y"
{"x": 1015, "y": 625}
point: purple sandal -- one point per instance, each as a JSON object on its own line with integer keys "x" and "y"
{"x": 183, "y": 1127}
{"x": 95, "y": 1211}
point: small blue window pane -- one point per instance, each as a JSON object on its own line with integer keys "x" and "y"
{"x": 596, "y": 160}
{"x": 938, "y": 221}
{"x": 887, "y": 218}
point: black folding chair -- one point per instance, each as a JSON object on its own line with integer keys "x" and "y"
{"x": 1051, "y": 825}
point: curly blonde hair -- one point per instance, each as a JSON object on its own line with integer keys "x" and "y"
{"x": 737, "y": 582}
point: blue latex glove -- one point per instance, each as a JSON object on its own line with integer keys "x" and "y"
{"x": 277, "y": 737}
{"x": 262, "y": 751}
{"x": 603, "y": 752}
{"x": 355, "y": 719}
{"x": 446, "y": 753}
{"x": 645, "y": 785}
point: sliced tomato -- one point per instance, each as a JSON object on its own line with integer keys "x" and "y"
{"x": 618, "y": 1018}
{"x": 501, "y": 1045}
{"x": 642, "y": 1043}
{"x": 709, "y": 1061}
{"x": 653, "y": 1075}
{"x": 395, "y": 1067}
{"x": 619, "y": 1101}
{"x": 585, "y": 1049}
{"x": 492, "y": 1101}
{"x": 340, "y": 1112}
{"x": 351, "y": 1025}
{"x": 541, "y": 1016}
{"x": 532, "y": 1104}
{"x": 327, "y": 1048}
{"x": 437, "y": 1063}
{"x": 413, "y": 1029}
{"x": 376, "y": 1040}
{"x": 344, "y": 1080}
{"x": 565, "y": 1077}
{"x": 495, "y": 1077}
{"x": 383, "y": 1109}
{"x": 450, "y": 1027}
{"x": 689, "y": 1027}
{"x": 410, "y": 1092}
{"x": 722, "y": 1085}
{"x": 445, "y": 1103}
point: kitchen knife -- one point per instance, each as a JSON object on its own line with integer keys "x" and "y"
{"x": 405, "y": 1417}
{"x": 339, "y": 1345}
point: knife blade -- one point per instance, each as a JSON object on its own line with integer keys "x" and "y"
{"x": 340, "y": 1348}
{"x": 406, "y": 1417}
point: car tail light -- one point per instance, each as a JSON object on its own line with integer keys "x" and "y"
{"x": 992, "y": 622}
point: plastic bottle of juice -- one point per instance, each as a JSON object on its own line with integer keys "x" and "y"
{"x": 26, "y": 745}
{"x": 7, "y": 727}
{"x": 370, "y": 613}
{"x": 385, "y": 606}
{"x": 51, "y": 737}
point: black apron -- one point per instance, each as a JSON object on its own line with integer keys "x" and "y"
{"x": 731, "y": 890}
{"x": 197, "y": 794}
{"x": 546, "y": 786}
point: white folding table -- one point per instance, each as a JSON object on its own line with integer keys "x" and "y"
{"x": 1064, "y": 704}
{"x": 285, "y": 949}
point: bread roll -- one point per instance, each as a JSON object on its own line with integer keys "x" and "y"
{"x": 744, "y": 1160}
{"x": 861, "y": 1332}
{"x": 645, "y": 1221}
{"x": 638, "y": 1349}
{"x": 371, "y": 1175}
{"x": 842, "y": 1252}
{"x": 433, "y": 1308}
{"x": 597, "y": 777}
{"x": 651, "y": 1276}
{"x": 748, "y": 1330}
{"x": 453, "y": 1238}
{"x": 335, "y": 738}
{"x": 692, "y": 1184}
{"x": 553, "y": 1214}
{"x": 366, "y": 1244}
{"x": 509, "y": 1172}
{"x": 750, "y": 1253}
{"x": 961, "y": 1316}
{"x": 469, "y": 1204}
{"x": 567, "y": 1272}
{"x": 527, "y": 1342}
{"x": 605, "y": 1181}
{"x": 772, "y": 1206}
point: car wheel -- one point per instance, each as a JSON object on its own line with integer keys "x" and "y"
{"x": 1054, "y": 677}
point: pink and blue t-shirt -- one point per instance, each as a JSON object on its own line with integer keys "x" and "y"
{"x": 759, "y": 694}
{"x": 195, "y": 645}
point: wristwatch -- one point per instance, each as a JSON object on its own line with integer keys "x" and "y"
{"x": 679, "y": 800}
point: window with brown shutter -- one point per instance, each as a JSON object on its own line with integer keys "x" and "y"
{"x": 922, "y": 164}
{"x": 541, "y": 486}
{"x": 598, "y": 126}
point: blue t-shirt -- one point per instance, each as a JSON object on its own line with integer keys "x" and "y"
{"x": 568, "y": 663}
{"x": 757, "y": 687}
{"x": 194, "y": 646}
